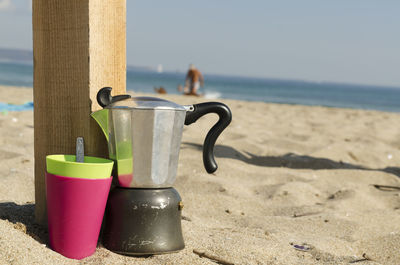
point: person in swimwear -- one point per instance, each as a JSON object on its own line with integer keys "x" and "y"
{"x": 194, "y": 79}
{"x": 160, "y": 90}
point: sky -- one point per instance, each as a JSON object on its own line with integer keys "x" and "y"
{"x": 349, "y": 41}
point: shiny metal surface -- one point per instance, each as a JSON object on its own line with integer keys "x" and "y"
{"x": 144, "y": 140}
{"x": 146, "y": 103}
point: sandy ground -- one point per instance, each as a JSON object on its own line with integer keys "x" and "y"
{"x": 289, "y": 176}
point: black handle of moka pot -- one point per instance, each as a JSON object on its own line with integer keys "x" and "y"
{"x": 104, "y": 97}
{"x": 225, "y": 118}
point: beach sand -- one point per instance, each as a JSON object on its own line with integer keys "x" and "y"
{"x": 289, "y": 176}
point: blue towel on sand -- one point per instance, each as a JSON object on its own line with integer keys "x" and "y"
{"x": 12, "y": 107}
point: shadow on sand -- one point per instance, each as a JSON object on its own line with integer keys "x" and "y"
{"x": 23, "y": 218}
{"x": 289, "y": 160}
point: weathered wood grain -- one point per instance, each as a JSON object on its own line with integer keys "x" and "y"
{"x": 79, "y": 46}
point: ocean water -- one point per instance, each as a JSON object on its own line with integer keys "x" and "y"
{"x": 243, "y": 88}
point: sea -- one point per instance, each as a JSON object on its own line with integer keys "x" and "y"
{"x": 243, "y": 88}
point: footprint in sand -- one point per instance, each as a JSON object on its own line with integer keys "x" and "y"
{"x": 236, "y": 136}
{"x": 206, "y": 187}
{"x": 267, "y": 191}
{"x": 341, "y": 194}
{"x": 4, "y": 155}
{"x": 299, "y": 137}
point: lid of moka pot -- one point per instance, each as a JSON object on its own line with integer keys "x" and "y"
{"x": 149, "y": 103}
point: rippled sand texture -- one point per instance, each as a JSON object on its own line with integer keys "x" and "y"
{"x": 295, "y": 185}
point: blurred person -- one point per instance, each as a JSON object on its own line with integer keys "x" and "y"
{"x": 194, "y": 79}
{"x": 160, "y": 90}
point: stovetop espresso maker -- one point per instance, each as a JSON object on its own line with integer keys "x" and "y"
{"x": 143, "y": 213}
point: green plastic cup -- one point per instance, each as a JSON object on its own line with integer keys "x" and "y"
{"x": 125, "y": 166}
{"x": 66, "y": 165}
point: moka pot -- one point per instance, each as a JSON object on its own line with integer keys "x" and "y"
{"x": 143, "y": 213}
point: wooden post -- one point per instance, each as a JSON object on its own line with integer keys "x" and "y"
{"x": 79, "y": 46}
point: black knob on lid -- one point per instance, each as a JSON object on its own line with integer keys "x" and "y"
{"x": 104, "y": 97}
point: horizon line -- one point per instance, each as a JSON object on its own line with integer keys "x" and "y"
{"x": 154, "y": 69}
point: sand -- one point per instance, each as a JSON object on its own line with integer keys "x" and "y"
{"x": 289, "y": 177}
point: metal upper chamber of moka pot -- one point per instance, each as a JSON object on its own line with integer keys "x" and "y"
{"x": 143, "y": 214}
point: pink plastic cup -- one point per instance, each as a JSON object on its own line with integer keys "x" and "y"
{"x": 75, "y": 209}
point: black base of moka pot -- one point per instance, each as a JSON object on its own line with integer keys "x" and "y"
{"x": 143, "y": 221}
